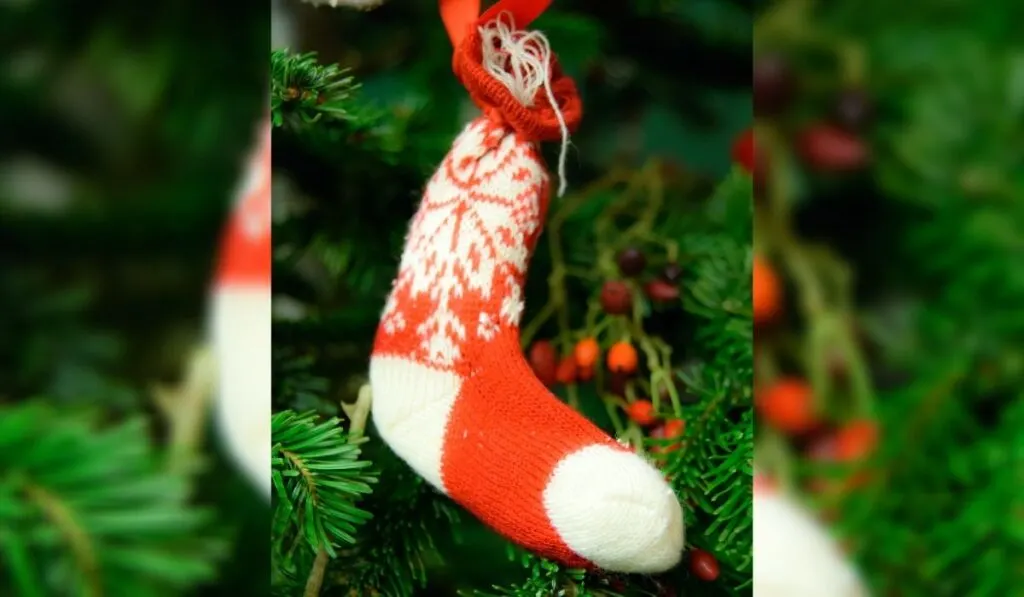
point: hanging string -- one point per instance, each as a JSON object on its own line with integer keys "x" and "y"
{"x": 521, "y": 62}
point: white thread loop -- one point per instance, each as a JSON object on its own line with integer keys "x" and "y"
{"x": 521, "y": 61}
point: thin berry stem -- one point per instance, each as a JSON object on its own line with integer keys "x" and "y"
{"x": 823, "y": 285}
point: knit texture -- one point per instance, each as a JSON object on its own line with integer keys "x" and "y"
{"x": 537, "y": 122}
{"x": 240, "y": 321}
{"x": 454, "y": 397}
{"x": 793, "y": 555}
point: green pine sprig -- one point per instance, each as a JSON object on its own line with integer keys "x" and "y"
{"x": 306, "y": 91}
{"x": 396, "y": 550}
{"x": 544, "y": 577}
{"x": 318, "y": 477}
{"x": 90, "y": 509}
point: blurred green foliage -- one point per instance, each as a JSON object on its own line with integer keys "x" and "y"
{"x": 934, "y": 234}
{"x": 125, "y": 127}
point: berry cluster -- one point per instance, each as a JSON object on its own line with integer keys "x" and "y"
{"x": 607, "y": 355}
{"x": 823, "y": 144}
{"x": 621, "y": 358}
{"x": 788, "y": 404}
{"x": 785, "y": 400}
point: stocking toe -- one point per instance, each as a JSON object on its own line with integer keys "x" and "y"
{"x": 616, "y": 510}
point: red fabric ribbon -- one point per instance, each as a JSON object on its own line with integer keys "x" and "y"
{"x": 461, "y": 16}
{"x": 462, "y": 20}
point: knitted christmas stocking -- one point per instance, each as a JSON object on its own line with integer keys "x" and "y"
{"x": 240, "y": 321}
{"x": 452, "y": 393}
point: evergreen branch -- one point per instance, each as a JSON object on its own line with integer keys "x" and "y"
{"x": 357, "y": 415}
{"x": 91, "y": 509}
{"x": 294, "y": 381}
{"x": 316, "y": 573}
{"x": 393, "y": 550}
{"x": 545, "y": 577}
{"x": 318, "y": 477}
{"x": 304, "y": 91}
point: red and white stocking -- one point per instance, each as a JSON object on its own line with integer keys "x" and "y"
{"x": 452, "y": 393}
{"x": 241, "y": 312}
{"x": 793, "y": 554}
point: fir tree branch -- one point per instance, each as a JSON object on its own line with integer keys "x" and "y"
{"x": 545, "y": 578}
{"x": 92, "y": 509}
{"x": 303, "y": 91}
{"x": 357, "y": 417}
{"x": 318, "y": 477}
{"x": 316, "y": 573}
{"x": 78, "y": 540}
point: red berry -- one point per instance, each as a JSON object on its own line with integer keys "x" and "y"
{"x": 586, "y": 352}
{"x": 674, "y": 428}
{"x": 642, "y": 412}
{"x": 661, "y": 291}
{"x": 616, "y": 299}
{"x": 544, "y": 361}
{"x": 749, "y": 156}
{"x": 622, "y": 358}
{"x": 767, "y": 291}
{"x": 744, "y": 152}
{"x": 703, "y": 565}
{"x": 566, "y": 372}
{"x": 828, "y": 148}
{"x": 787, "y": 405}
{"x": 585, "y": 373}
{"x": 671, "y": 429}
{"x": 851, "y": 443}
{"x": 856, "y": 440}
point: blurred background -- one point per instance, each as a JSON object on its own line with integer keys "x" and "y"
{"x": 125, "y": 130}
{"x": 656, "y": 217}
{"x": 889, "y": 179}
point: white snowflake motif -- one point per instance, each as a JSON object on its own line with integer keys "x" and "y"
{"x": 470, "y": 236}
{"x": 393, "y": 320}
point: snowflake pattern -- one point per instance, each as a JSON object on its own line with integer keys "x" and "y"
{"x": 469, "y": 245}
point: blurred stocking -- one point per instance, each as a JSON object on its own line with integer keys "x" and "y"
{"x": 793, "y": 554}
{"x": 240, "y": 323}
